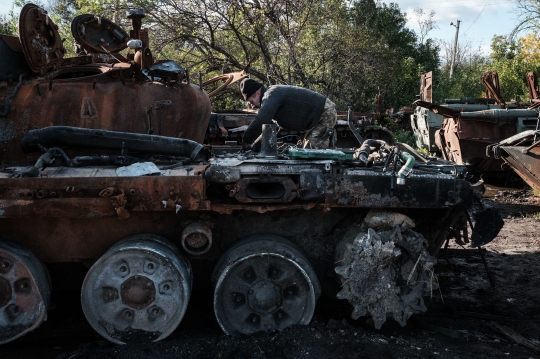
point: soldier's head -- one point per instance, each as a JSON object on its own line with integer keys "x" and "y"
{"x": 251, "y": 90}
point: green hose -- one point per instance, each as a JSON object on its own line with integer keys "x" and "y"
{"x": 406, "y": 169}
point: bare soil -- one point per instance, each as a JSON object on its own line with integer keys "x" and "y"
{"x": 460, "y": 322}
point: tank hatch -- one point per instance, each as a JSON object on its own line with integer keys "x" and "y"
{"x": 98, "y": 35}
{"x": 41, "y": 43}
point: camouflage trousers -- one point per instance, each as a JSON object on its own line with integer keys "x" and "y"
{"x": 319, "y": 135}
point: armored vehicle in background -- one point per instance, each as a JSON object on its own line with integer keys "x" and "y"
{"x": 425, "y": 122}
{"x": 461, "y": 129}
{"x": 103, "y": 164}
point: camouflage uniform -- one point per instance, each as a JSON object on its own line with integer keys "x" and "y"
{"x": 319, "y": 136}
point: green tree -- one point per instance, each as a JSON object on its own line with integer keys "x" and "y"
{"x": 512, "y": 62}
{"x": 466, "y": 80}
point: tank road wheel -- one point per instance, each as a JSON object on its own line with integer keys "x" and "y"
{"x": 138, "y": 290}
{"x": 263, "y": 283}
{"x": 24, "y": 291}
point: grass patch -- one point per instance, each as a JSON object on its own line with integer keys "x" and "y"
{"x": 533, "y": 215}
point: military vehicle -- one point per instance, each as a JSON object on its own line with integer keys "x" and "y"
{"x": 425, "y": 122}
{"x": 104, "y": 164}
{"x": 461, "y": 129}
{"x": 522, "y": 153}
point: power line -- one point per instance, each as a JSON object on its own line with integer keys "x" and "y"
{"x": 475, "y": 20}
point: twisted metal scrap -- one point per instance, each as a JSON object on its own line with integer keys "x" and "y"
{"x": 385, "y": 273}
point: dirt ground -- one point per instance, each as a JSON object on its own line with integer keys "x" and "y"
{"x": 461, "y": 321}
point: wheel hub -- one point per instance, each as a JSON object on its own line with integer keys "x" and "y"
{"x": 24, "y": 291}
{"x": 263, "y": 283}
{"x": 5, "y": 292}
{"x": 264, "y": 297}
{"x": 138, "y": 292}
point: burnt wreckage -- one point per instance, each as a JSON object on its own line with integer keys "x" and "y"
{"x": 103, "y": 163}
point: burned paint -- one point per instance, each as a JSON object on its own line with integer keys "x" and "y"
{"x": 77, "y": 197}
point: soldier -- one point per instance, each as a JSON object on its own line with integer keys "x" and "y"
{"x": 293, "y": 108}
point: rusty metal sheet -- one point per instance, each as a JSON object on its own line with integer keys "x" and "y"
{"x": 12, "y": 60}
{"x": 40, "y": 40}
{"x": 441, "y": 110}
{"x": 101, "y": 97}
{"x": 65, "y": 239}
{"x": 97, "y": 34}
{"x": 13, "y": 42}
{"x": 490, "y": 79}
{"x": 100, "y": 197}
{"x": 426, "y": 86}
{"x": 464, "y": 142}
{"x": 527, "y": 165}
{"x": 532, "y": 84}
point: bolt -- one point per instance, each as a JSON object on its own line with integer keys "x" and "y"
{"x": 166, "y": 287}
{"x": 5, "y": 264}
{"x": 155, "y": 311}
{"x": 123, "y": 286}
{"x": 238, "y": 299}
{"x": 127, "y": 313}
{"x": 136, "y": 277}
{"x": 23, "y": 285}
{"x": 123, "y": 269}
{"x": 280, "y": 315}
{"x": 149, "y": 284}
{"x": 150, "y": 266}
{"x": 254, "y": 319}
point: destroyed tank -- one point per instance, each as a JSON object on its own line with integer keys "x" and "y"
{"x": 435, "y": 133}
{"x": 155, "y": 214}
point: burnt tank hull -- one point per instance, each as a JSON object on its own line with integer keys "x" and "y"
{"x": 124, "y": 185}
{"x": 103, "y": 97}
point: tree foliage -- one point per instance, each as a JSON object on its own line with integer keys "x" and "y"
{"x": 347, "y": 50}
